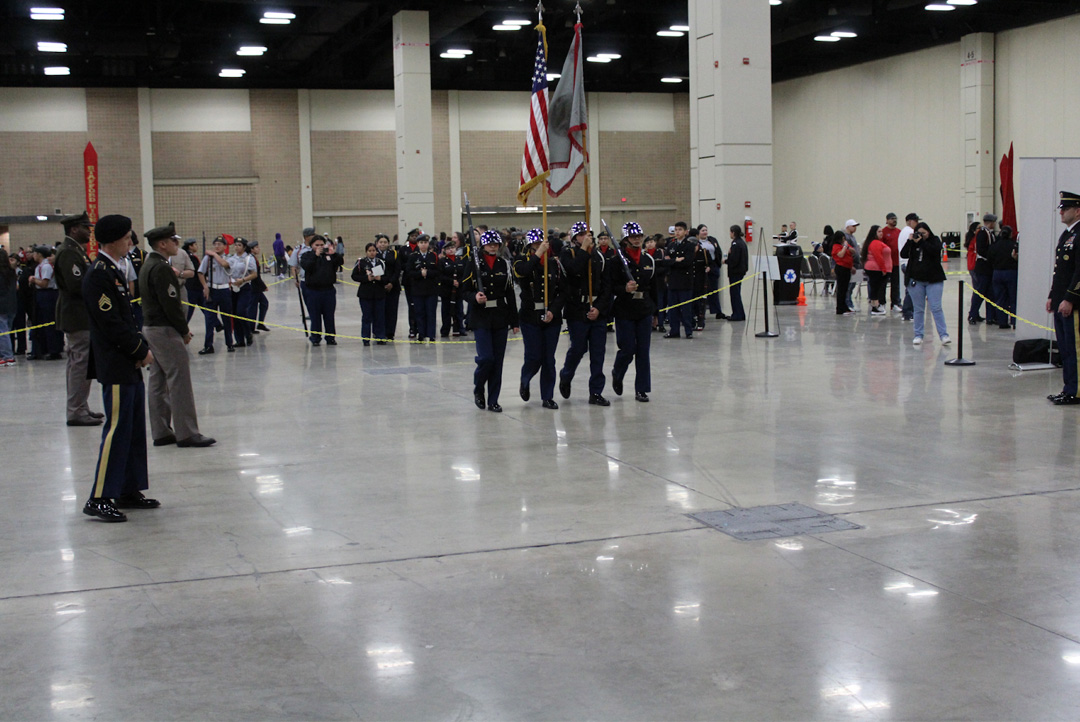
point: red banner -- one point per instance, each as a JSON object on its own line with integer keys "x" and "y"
{"x": 90, "y": 173}
{"x": 1008, "y": 199}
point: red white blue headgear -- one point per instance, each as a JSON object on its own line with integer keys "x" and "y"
{"x": 491, "y": 236}
{"x": 578, "y": 228}
{"x": 631, "y": 228}
{"x": 536, "y": 235}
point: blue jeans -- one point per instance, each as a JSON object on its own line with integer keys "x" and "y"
{"x": 588, "y": 336}
{"x": 921, "y": 292}
{"x": 984, "y": 284}
{"x": 540, "y": 343}
{"x": 490, "y": 351}
{"x": 7, "y": 323}
{"x": 1005, "y": 296}
{"x": 633, "y": 339}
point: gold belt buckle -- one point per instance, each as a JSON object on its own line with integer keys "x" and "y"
{"x": 638, "y": 295}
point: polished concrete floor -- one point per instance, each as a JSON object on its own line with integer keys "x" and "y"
{"x": 371, "y": 546}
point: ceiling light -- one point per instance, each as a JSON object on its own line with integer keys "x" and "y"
{"x": 517, "y": 22}
{"x": 274, "y": 21}
{"x": 452, "y": 56}
{"x": 45, "y": 47}
{"x": 669, "y": 33}
{"x": 963, "y": 2}
{"x": 774, "y": 2}
{"x": 58, "y": 70}
{"x": 46, "y": 14}
{"x": 670, "y": 80}
{"x": 609, "y": 56}
{"x": 251, "y": 50}
{"x": 844, "y": 34}
{"x": 459, "y": 51}
{"x": 940, "y": 7}
{"x": 506, "y": 27}
{"x": 279, "y": 15}
{"x": 231, "y": 73}
{"x": 597, "y": 59}
{"x": 681, "y": 28}
{"x": 827, "y": 39}
{"x": 553, "y": 76}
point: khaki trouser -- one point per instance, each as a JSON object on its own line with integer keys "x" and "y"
{"x": 171, "y": 400}
{"x": 78, "y": 386}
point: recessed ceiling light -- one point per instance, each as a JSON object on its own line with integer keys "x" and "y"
{"x": 844, "y": 34}
{"x": 459, "y": 51}
{"x": 939, "y": 7}
{"x": 681, "y": 28}
{"x": 46, "y": 14}
{"x": 45, "y": 47}
{"x": 553, "y": 76}
{"x": 58, "y": 70}
{"x": 609, "y": 56}
{"x": 506, "y": 27}
{"x": 274, "y": 21}
{"x": 452, "y": 56}
{"x": 517, "y": 22}
{"x": 774, "y": 2}
{"x": 251, "y": 50}
{"x": 670, "y": 80}
{"x": 963, "y": 2}
{"x": 279, "y": 15}
{"x": 827, "y": 39}
{"x": 669, "y": 33}
{"x": 231, "y": 73}
{"x": 597, "y": 59}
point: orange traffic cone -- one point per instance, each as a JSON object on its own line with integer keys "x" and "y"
{"x": 944, "y": 254}
{"x": 801, "y": 300}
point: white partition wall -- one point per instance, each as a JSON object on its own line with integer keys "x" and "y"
{"x": 1038, "y": 183}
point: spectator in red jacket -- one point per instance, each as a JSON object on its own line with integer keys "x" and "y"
{"x": 877, "y": 262}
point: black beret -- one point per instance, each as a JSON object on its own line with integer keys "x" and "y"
{"x": 112, "y": 228}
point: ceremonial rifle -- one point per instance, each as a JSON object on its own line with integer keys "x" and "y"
{"x": 475, "y": 243}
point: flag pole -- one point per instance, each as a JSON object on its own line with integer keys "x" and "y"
{"x": 543, "y": 184}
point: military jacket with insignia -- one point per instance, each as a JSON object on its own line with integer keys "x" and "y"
{"x": 529, "y": 273}
{"x": 1066, "y": 283}
{"x": 500, "y": 311}
{"x": 115, "y": 342}
{"x": 577, "y": 264}
{"x": 641, "y": 303}
{"x": 160, "y": 291}
{"x": 69, "y": 268}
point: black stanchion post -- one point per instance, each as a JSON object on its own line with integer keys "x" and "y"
{"x": 960, "y": 360}
{"x": 765, "y": 285}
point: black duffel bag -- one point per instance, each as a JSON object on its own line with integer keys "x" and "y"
{"x": 1036, "y": 351}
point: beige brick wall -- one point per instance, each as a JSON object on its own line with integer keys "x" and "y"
{"x": 215, "y": 209}
{"x": 203, "y": 155}
{"x": 353, "y": 171}
{"x": 113, "y": 121}
{"x": 440, "y": 152}
{"x": 275, "y": 128}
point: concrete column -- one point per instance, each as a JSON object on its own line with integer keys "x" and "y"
{"x": 146, "y": 159}
{"x": 731, "y": 115}
{"x": 977, "y": 105}
{"x": 457, "y": 200}
{"x": 412, "y": 103}
{"x": 593, "y": 215}
{"x": 307, "y": 195}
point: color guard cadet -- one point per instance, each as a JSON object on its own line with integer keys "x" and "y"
{"x": 118, "y": 352}
{"x": 393, "y": 261}
{"x": 492, "y": 312}
{"x": 542, "y": 301}
{"x": 588, "y": 302}
{"x": 172, "y": 402}
{"x": 422, "y": 270}
{"x": 71, "y": 318}
{"x": 1065, "y": 298}
{"x": 320, "y": 274}
{"x": 369, "y": 274}
{"x": 243, "y": 269}
{"x": 680, "y": 282}
{"x": 633, "y": 275}
{"x": 214, "y": 276}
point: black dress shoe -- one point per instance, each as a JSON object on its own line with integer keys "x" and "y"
{"x": 238, "y": 344}
{"x": 524, "y": 391}
{"x": 478, "y": 399}
{"x": 1053, "y": 397}
{"x": 231, "y": 349}
{"x": 380, "y": 343}
{"x": 262, "y": 327}
{"x": 550, "y": 404}
{"x": 96, "y": 415}
{"x": 689, "y": 335}
{"x": 1066, "y": 400}
{"x": 103, "y": 509}
{"x": 197, "y": 441}
{"x": 564, "y": 387}
{"x": 616, "y": 384}
{"x": 641, "y": 396}
{"x": 598, "y": 400}
{"x": 495, "y": 407}
{"x": 136, "y": 501}
{"x": 671, "y": 335}
{"x": 661, "y": 328}
{"x": 84, "y": 422}
{"x": 207, "y": 350}
{"x": 316, "y": 342}
{"x": 53, "y": 357}
{"x": 256, "y": 331}
{"x": 165, "y": 440}
{"x": 367, "y": 343}
{"x": 331, "y": 342}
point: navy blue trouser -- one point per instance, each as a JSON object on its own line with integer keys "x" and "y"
{"x": 451, "y": 315}
{"x": 261, "y": 304}
{"x": 121, "y": 468}
{"x": 633, "y": 338}
{"x": 712, "y": 282}
{"x": 1005, "y": 296}
{"x": 683, "y": 314}
{"x": 738, "y": 313}
{"x": 221, "y": 299}
{"x": 244, "y": 303}
{"x": 373, "y": 311}
{"x": 393, "y": 300}
{"x": 588, "y": 336}
{"x": 424, "y": 308}
{"x": 540, "y": 343}
{"x": 490, "y": 351}
{"x": 984, "y": 284}
{"x": 47, "y": 340}
{"x": 322, "y": 303}
{"x": 1067, "y": 331}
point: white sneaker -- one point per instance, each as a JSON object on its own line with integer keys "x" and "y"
{"x": 917, "y": 341}
{"x": 898, "y": 309}
{"x": 945, "y": 340}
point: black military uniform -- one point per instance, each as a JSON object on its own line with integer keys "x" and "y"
{"x": 391, "y": 258}
{"x": 136, "y": 257}
{"x": 1065, "y": 287}
{"x": 540, "y": 338}
{"x": 680, "y": 283}
{"x": 490, "y": 322}
{"x": 588, "y": 287}
{"x": 633, "y": 312}
{"x": 117, "y": 350}
{"x": 71, "y": 264}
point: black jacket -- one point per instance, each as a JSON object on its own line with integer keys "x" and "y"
{"x": 375, "y": 289}
{"x": 451, "y": 268}
{"x": 681, "y": 274}
{"x": 983, "y": 240}
{"x": 392, "y": 258}
{"x": 419, "y": 284}
{"x": 320, "y": 272}
{"x": 738, "y": 260}
{"x": 115, "y": 342}
{"x": 576, "y": 263}
{"x": 529, "y": 273}
{"x": 500, "y": 311}
{"x": 924, "y": 260}
{"x": 1066, "y": 283}
{"x": 642, "y": 303}
{"x": 1001, "y": 258}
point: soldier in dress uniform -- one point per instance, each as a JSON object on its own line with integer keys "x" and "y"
{"x": 540, "y": 313}
{"x": 118, "y": 352}
{"x": 71, "y": 318}
{"x": 492, "y": 313}
{"x": 633, "y": 276}
{"x": 1065, "y": 297}
{"x": 588, "y": 301}
{"x": 172, "y": 402}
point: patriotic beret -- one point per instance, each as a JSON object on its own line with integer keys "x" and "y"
{"x": 536, "y": 235}
{"x": 579, "y": 227}
{"x": 631, "y": 228}
{"x": 491, "y": 236}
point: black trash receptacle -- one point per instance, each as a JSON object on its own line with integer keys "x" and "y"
{"x": 789, "y": 257}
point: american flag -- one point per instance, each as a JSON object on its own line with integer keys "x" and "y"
{"x": 534, "y": 161}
